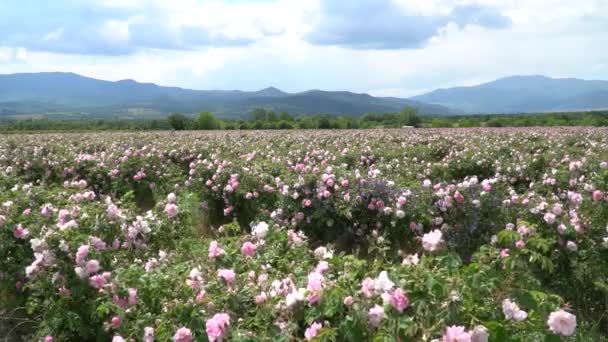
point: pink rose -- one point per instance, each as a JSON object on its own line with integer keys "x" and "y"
{"x": 182, "y": 335}
{"x": 116, "y": 321}
{"x": 227, "y": 274}
{"x": 312, "y": 331}
{"x": 598, "y": 196}
{"x": 19, "y": 232}
{"x": 217, "y": 326}
{"x": 171, "y": 210}
{"x": 456, "y": 334}
{"x": 399, "y": 300}
{"x": 248, "y": 249}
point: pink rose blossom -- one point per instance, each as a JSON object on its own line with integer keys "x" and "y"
{"x": 227, "y": 274}
{"x": 598, "y": 196}
{"x": 458, "y": 197}
{"x": 456, "y": 334}
{"x": 248, "y": 249}
{"x": 217, "y": 327}
{"x": 562, "y": 323}
{"x": 549, "y": 218}
{"x": 148, "y": 334}
{"x": 200, "y": 296}
{"x": 215, "y": 250}
{"x": 182, "y": 335}
{"x": 171, "y": 210}
{"x": 322, "y": 267}
{"x": 81, "y": 254}
{"x": 367, "y": 287}
{"x": 376, "y": 315}
{"x": 97, "y": 281}
{"x": 432, "y": 241}
{"x": 116, "y": 321}
{"x": 20, "y": 233}
{"x": 132, "y": 299}
{"x": 261, "y": 298}
{"x": 399, "y": 300}
{"x": 312, "y": 331}
{"x": 92, "y": 266}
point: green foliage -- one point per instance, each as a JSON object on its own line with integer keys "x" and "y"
{"x": 206, "y": 121}
{"x": 267, "y": 119}
{"x": 178, "y": 121}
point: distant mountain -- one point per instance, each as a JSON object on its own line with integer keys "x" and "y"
{"x": 521, "y": 94}
{"x": 48, "y": 93}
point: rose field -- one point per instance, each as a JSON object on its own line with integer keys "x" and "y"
{"x": 449, "y": 235}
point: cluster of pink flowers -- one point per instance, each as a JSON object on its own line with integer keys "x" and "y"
{"x": 139, "y": 175}
{"x": 227, "y": 275}
{"x": 130, "y": 300}
{"x": 312, "y": 331}
{"x": 217, "y": 326}
{"x": 384, "y": 287}
{"x": 79, "y": 197}
{"x": 195, "y": 279}
{"x": 183, "y": 335}
{"x": 19, "y": 232}
{"x": 367, "y": 193}
{"x": 215, "y": 251}
{"x": 432, "y": 241}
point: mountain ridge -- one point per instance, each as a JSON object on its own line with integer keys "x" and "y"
{"x": 49, "y": 92}
{"x": 522, "y": 94}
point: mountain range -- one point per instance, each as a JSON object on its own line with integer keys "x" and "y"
{"x": 75, "y": 95}
{"x": 523, "y": 94}
{"x": 44, "y": 93}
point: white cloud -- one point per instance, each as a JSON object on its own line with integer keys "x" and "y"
{"x": 10, "y": 56}
{"x": 115, "y": 31}
{"x": 5, "y": 55}
{"x": 553, "y": 37}
{"x": 53, "y": 35}
{"x": 122, "y": 3}
{"x": 21, "y": 54}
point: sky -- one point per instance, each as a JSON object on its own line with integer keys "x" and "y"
{"x": 382, "y": 47}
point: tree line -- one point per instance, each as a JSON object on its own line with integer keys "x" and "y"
{"x": 268, "y": 119}
{"x": 261, "y": 118}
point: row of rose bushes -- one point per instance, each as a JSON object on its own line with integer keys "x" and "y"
{"x": 269, "y": 283}
{"x": 408, "y": 240}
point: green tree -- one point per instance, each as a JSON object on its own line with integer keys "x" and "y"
{"x": 207, "y": 121}
{"x": 177, "y": 121}
{"x": 259, "y": 114}
{"x": 285, "y": 125}
{"x": 409, "y": 117}
{"x": 271, "y": 116}
{"x": 284, "y": 116}
{"x": 323, "y": 122}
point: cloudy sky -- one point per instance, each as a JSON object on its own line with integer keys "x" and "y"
{"x": 383, "y": 47}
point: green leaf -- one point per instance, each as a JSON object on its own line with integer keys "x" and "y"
{"x": 507, "y": 237}
{"x": 497, "y": 331}
{"x": 552, "y": 338}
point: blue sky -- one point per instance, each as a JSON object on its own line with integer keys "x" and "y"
{"x": 383, "y": 47}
